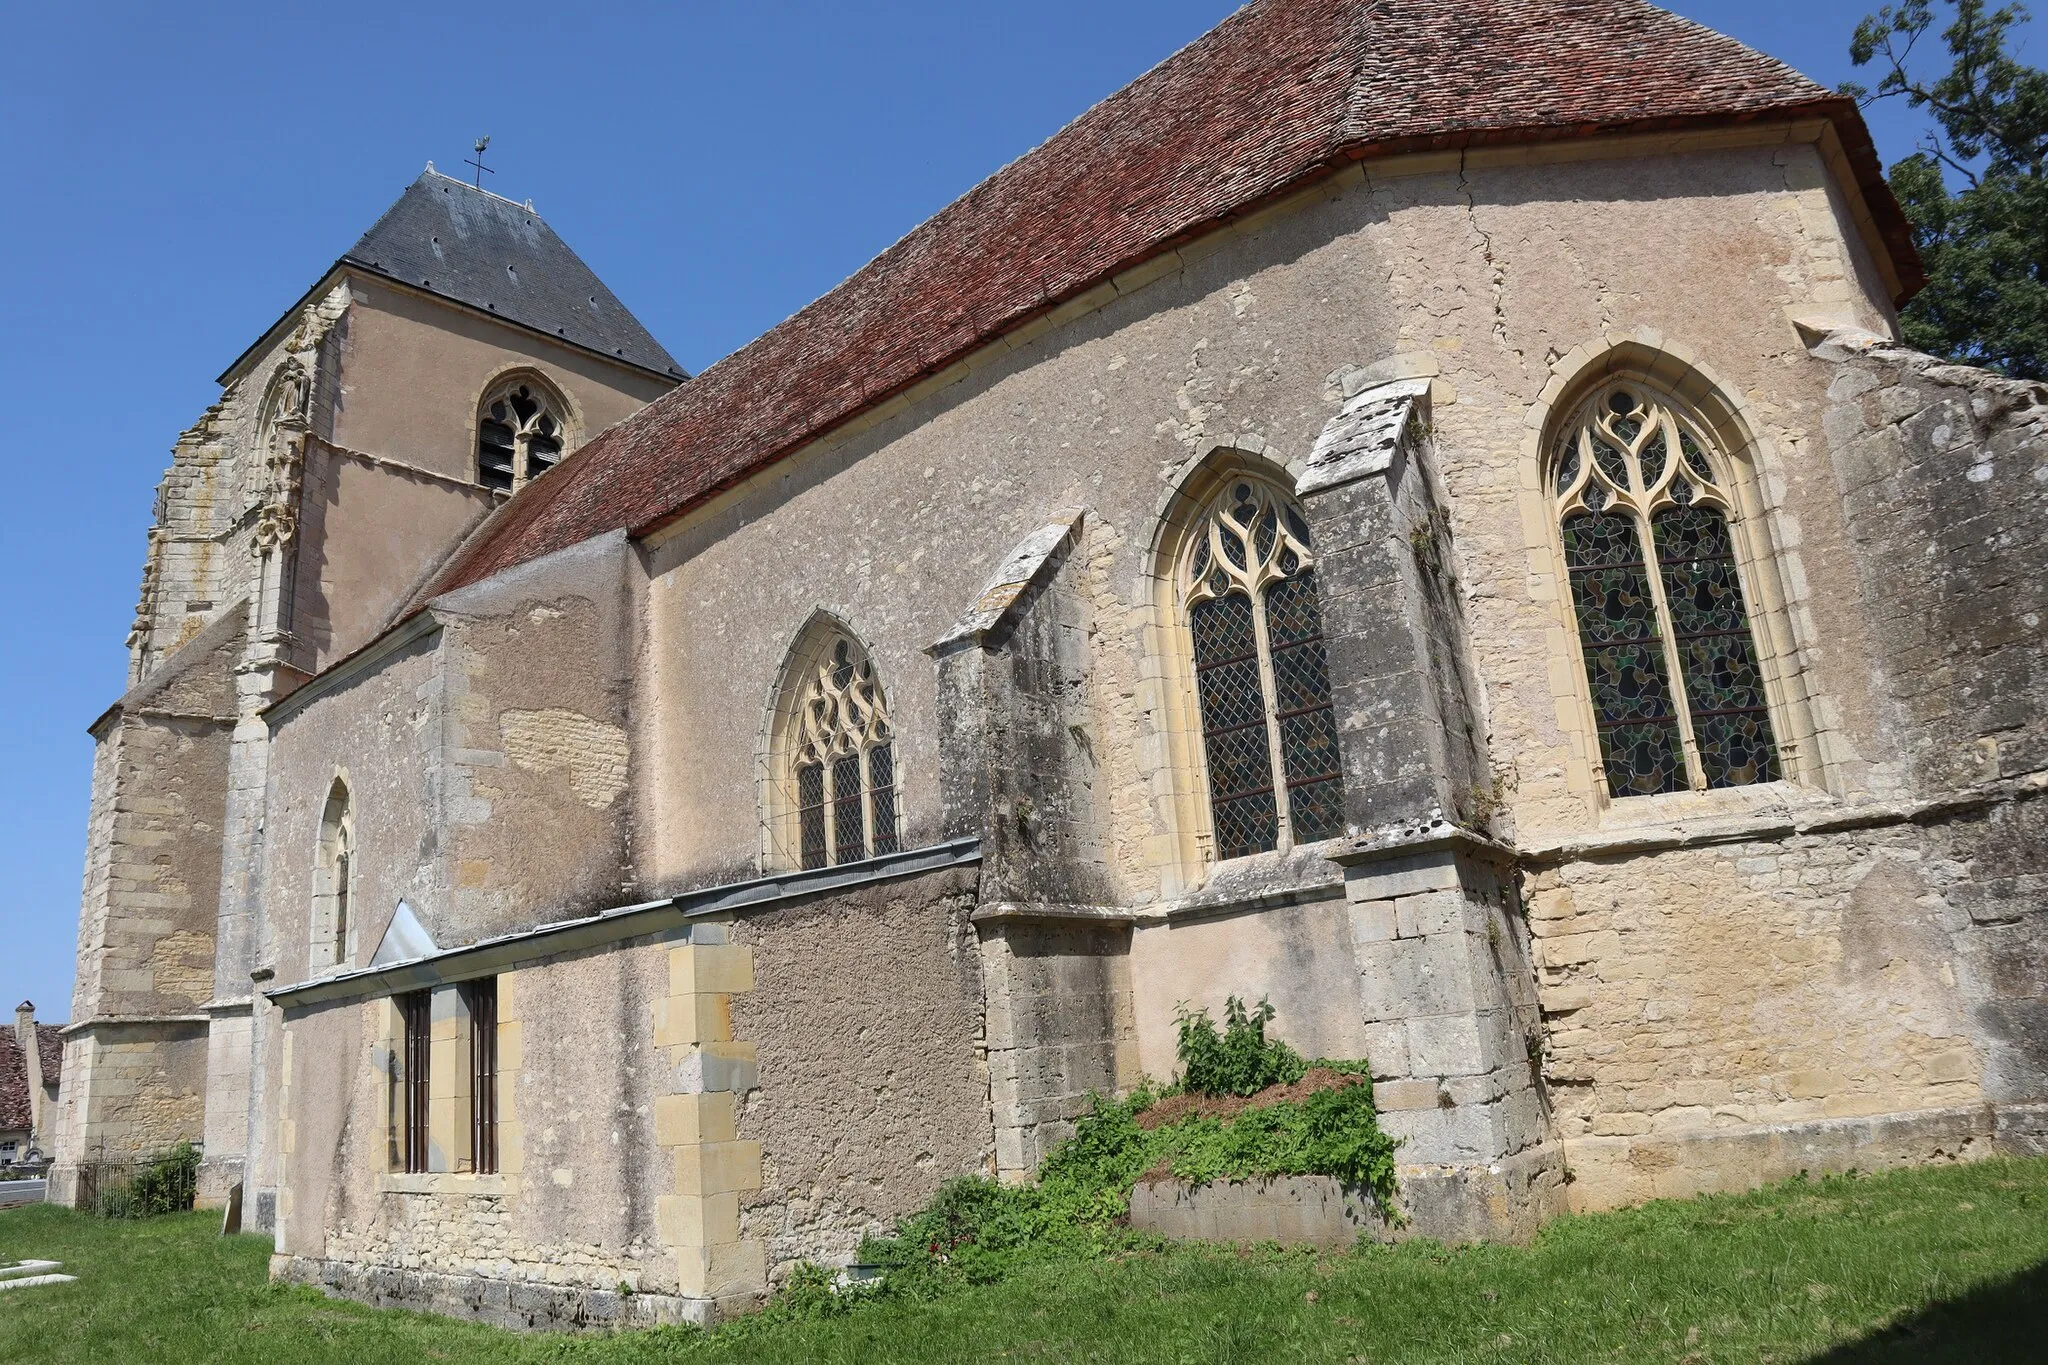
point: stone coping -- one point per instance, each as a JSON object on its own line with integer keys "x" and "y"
{"x": 100, "y": 1022}
{"x": 494, "y": 955}
{"x": 1827, "y": 816}
{"x": 1423, "y": 836}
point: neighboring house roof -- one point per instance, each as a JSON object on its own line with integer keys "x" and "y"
{"x": 50, "y": 1043}
{"x": 1280, "y": 93}
{"x": 15, "y": 1110}
{"x": 498, "y": 257}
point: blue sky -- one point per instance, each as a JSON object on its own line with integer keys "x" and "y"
{"x": 182, "y": 173}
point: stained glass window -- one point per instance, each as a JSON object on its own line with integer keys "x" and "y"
{"x": 841, "y": 761}
{"x": 1262, "y": 675}
{"x": 1651, "y": 558}
{"x": 519, "y": 435}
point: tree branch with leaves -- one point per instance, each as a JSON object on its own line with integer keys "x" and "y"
{"x": 1985, "y": 245}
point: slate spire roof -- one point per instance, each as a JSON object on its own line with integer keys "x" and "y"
{"x": 474, "y": 247}
{"x": 499, "y": 257}
{"x": 1279, "y": 94}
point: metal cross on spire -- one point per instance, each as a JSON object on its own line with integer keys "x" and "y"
{"x": 481, "y": 169}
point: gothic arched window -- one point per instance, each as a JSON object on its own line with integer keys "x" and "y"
{"x": 520, "y": 433}
{"x": 835, "y": 757}
{"x": 333, "y": 881}
{"x": 1262, "y": 677}
{"x": 1648, "y": 522}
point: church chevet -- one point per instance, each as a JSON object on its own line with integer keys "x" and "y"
{"x": 1411, "y": 510}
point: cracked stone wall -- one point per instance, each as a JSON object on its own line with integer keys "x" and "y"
{"x": 894, "y": 526}
{"x": 488, "y": 762}
{"x": 1943, "y": 472}
{"x": 1693, "y": 983}
{"x": 534, "y": 755}
{"x": 1944, "y": 475}
{"x": 1886, "y": 959}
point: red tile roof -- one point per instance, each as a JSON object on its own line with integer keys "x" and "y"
{"x": 1281, "y": 92}
{"x": 14, "y": 1098}
{"x": 50, "y": 1043}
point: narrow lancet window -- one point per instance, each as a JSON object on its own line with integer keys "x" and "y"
{"x": 840, "y": 760}
{"x": 1262, "y": 675}
{"x": 1664, "y": 629}
{"x": 333, "y": 880}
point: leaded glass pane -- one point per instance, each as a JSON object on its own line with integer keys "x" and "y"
{"x": 1695, "y": 458}
{"x": 1308, "y": 725}
{"x": 1610, "y": 462}
{"x": 810, "y": 799}
{"x": 1619, "y": 637}
{"x": 1567, "y": 456}
{"x": 849, "y": 841}
{"x": 1717, "y": 657}
{"x": 1234, "y": 726}
{"x": 882, "y": 796}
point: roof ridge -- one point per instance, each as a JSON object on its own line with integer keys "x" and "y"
{"x": 492, "y": 194}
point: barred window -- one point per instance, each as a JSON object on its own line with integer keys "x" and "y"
{"x": 412, "y": 1080}
{"x": 837, "y": 760}
{"x": 1262, "y": 676}
{"x": 480, "y": 1005}
{"x": 519, "y": 434}
{"x": 1664, "y": 628}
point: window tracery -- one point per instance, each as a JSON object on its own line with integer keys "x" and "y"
{"x": 839, "y": 761}
{"x": 520, "y": 434}
{"x": 1262, "y": 679}
{"x": 1672, "y": 668}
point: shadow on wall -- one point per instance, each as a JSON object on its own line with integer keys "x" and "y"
{"x": 2007, "y": 1320}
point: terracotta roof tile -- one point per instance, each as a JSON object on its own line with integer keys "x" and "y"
{"x": 1279, "y": 93}
{"x": 50, "y": 1043}
{"x": 14, "y": 1099}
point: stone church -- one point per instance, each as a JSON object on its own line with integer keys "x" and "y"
{"x": 1409, "y": 509}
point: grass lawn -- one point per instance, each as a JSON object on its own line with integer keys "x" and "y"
{"x": 1926, "y": 1266}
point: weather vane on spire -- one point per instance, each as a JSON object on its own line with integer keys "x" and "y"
{"x": 481, "y": 169}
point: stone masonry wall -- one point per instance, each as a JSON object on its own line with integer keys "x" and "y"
{"x": 1943, "y": 473}
{"x": 866, "y": 1013}
{"x": 1061, "y": 1027}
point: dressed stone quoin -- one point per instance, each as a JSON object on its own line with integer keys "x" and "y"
{"x": 1411, "y": 510}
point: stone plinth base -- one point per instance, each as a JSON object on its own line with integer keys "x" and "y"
{"x": 1501, "y": 1201}
{"x": 1505, "y": 1201}
{"x": 65, "y": 1186}
{"x": 503, "y": 1303}
{"x": 1298, "y": 1210}
{"x": 1609, "y": 1172}
{"x": 216, "y": 1181}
